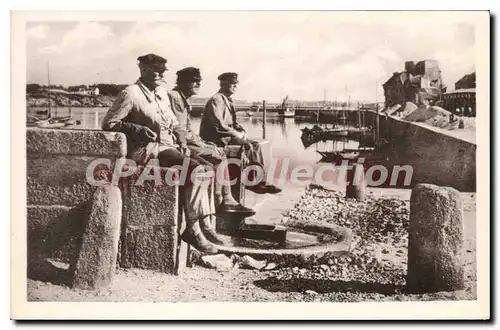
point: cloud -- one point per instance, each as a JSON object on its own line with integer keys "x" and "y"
{"x": 38, "y": 32}
{"x": 85, "y": 37}
{"x": 273, "y": 58}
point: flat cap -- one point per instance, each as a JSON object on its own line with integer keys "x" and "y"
{"x": 230, "y": 77}
{"x": 153, "y": 60}
{"x": 189, "y": 74}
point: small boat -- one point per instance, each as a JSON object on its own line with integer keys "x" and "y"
{"x": 338, "y": 156}
{"x": 284, "y": 111}
{"x": 60, "y": 119}
{"x": 287, "y": 113}
{"x": 72, "y": 122}
{"x": 48, "y": 124}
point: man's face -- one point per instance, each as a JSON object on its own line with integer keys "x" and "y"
{"x": 229, "y": 88}
{"x": 193, "y": 87}
{"x": 152, "y": 75}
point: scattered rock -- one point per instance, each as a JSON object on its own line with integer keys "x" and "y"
{"x": 385, "y": 251}
{"x": 270, "y": 266}
{"x": 295, "y": 270}
{"x": 251, "y": 263}
{"x": 218, "y": 261}
{"x": 311, "y": 292}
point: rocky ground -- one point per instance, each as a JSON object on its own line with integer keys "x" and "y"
{"x": 41, "y": 100}
{"x": 374, "y": 271}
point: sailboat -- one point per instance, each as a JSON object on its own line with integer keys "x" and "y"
{"x": 55, "y": 121}
{"x": 285, "y": 111}
{"x": 253, "y": 110}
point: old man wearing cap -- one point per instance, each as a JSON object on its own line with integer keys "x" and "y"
{"x": 142, "y": 111}
{"x": 219, "y": 125}
{"x": 187, "y": 85}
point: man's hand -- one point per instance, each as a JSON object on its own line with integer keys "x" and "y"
{"x": 149, "y": 134}
{"x": 241, "y": 135}
{"x": 247, "y": 144}
{"x": 239, "y": 128}
{"x": 185, "y": 150}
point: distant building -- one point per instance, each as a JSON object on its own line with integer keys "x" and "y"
{"x": 462, "y": 101}
{"x": 418, "y": 82}
{"x": 84, "y": 90}
{"x": 466, "y": 82}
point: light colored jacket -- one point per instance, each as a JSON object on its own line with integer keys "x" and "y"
{"x": 137, "y": 107}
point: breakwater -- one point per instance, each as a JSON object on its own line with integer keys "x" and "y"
{"x": 436, "y": 155}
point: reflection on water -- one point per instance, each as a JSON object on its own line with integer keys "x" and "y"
{"x": 284, "y": 133}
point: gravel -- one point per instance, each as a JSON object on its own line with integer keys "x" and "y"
{"x": 380, "y": 228}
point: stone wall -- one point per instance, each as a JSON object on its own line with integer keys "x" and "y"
{"x": 437, "y": 157}
{"x": 58, "y": 201}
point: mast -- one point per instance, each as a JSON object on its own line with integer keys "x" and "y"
{"x": 48, "y": 89}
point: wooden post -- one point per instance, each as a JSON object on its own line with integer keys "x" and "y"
{"x": 264, "y": 119}
{"x": 359, "y": 116}
{"x": 377, "y": 126}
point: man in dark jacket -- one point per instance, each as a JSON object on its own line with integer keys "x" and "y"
{"x": 187, "y": 85}
{"x": 142, "y": 111}
{"x": 219, "y": 125}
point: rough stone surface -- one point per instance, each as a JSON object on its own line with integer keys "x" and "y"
{"x": 52, "y": 231}
{"x": 436, "y": 238}
{"x": 95, "y": 264}
{"x": 152, "y": 247}
{"x": 42, "y": 142}
{"x": 150, "y": 205}
{"x": 60, "y": 180}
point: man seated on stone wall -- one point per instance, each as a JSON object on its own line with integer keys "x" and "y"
{"x": 188, "y": 84}
{"x": 219, "y": 125}
{"x": 143, "y": 113}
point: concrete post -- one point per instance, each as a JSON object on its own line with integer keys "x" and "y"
{"x": 95, "y": 264}
{"x": 436, "y": 238}
{"x": 356, "y": 183}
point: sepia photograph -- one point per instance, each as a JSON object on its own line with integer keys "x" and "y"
{"x": 316, "y": 164}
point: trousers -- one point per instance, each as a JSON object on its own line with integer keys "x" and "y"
{"x": 198, "y": 197}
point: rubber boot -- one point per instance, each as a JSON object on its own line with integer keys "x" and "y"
{"x": 208, "y": 230}
{"x": 193, "y": 235}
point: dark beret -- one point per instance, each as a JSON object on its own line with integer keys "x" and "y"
{"x": 189, "y": 74}
{"x": 153, "y": 60}
{"x": 230, "y": 77}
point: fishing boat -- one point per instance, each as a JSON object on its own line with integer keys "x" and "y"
{"x": 284, "y": 111}
{"x": 253, "y": 110}
{"x": 337, "y": 156}
{"x": 52, "y": 121}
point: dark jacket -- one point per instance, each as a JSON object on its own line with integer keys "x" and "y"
{"x": 182, "y": 110}
{"x": 218, "y": 123}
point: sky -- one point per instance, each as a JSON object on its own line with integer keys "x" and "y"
{"x": 305, "y": 59}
